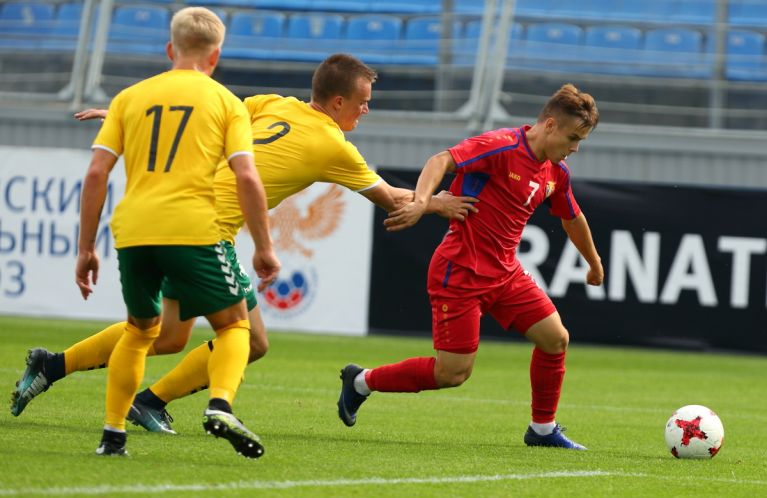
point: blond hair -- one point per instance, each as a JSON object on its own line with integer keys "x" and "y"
{"x": 196, "y": 31}
{"x": 570, "y": 102}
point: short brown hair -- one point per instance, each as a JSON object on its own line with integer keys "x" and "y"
{"x": 338, "y": 75}
{"x": 196, "y": 31}
{"x": 568, "y": 101}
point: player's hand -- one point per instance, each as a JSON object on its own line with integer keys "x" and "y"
{"x": 455, "y": 208}
{"x": 89, "y": 114}
{"x": 267, "y": 267}
{"x": 404, "y": 217}
{"x": 595, "y": 275}
{"x": 86, "y": 271}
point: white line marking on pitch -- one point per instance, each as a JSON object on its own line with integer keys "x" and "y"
{"x": 235, "y": 485}
{"x": 244, "y": 485}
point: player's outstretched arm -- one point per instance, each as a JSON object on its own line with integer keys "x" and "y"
{"x": 579, "y": 234}
{"x": 444, "y": 204}
{"x": 252, "y": 198}
{"x": 91, "y": 202}
{"x": 89, "y": 114}
{"x": 431, "y": 176}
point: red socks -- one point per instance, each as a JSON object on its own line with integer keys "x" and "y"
{"x": 546, "y": 374}
{"x": 409, "y": 376}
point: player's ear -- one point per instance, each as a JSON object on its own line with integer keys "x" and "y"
{"x": 214, "y": 56}
{"x": 169, "y": 50}
{"x": 337, "y": 102}
{"x": 550, "y": 124}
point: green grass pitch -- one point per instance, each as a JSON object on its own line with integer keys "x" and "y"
{"x": 459, "y": 442}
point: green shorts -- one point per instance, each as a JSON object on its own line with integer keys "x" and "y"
{"x": 240, "y": 274}
{"x": 201, "y": 276}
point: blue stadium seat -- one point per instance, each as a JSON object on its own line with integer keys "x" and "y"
{"x": 254, "y": 35}
{"x": 23, "y": 25}
{"x": 536, "y": 8}
{"x": 311, "y": 37}
{"x": 465, "y": 48}
{"x": 612, "y": 49}
{"x": 748, "y": 13}
{"x": 376, "y": 35}
{"x": 569, "y": 11}
{"x": 693, "y": 11}
{"x": 421, "y": 41}
{"x": 746, "y": 56}
{"x": 140, "y": 29}
{"x": 676, "y": 52}
{"x": 222, "y": 3}
{"x": 636, "y": 10}
{"x": 469, "y": 7}
{"x": 551, "y": 46}
{"x": 66, "y": 27}
{"x": 355, "y": 6}
{"x": 410, "y": 7}
{"x": 525, "y": 8}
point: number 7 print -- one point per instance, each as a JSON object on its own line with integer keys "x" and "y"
{"x": 535, "y": 186}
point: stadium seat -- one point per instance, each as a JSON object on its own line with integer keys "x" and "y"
{"x": 568, "y": 10}
{"x": 311, "y": 37}
{"x": 746, "y": 56}
{"x": 139, "y": 30}
{"x": 421, "y": 41}
{"x": 551, "y": 46}
{"x": 222, "y": 3}
{"x": 612, "y": 49}
{"x": 635, "y": 10}
{"x": 24, "y": 24}
{"x": 693, "y": 11}
{"x": 254, "y": 35}
{"x": 376, "y": 35}
{"x": 748, "y": 13}
{"x": 676, "y": 52}
{"x": 536, "y": 8}
{"x": 409, "y": 7}
{"x": 352, "y": 6}
{"x": 469, "y": 7}
{"x": 66, "y": 27}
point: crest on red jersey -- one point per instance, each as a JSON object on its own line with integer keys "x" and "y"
{"x": 550, "y": 188}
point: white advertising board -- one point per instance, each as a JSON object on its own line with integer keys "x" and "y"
{"x": 39, "y": 225}
{"x": 323, "y": 237}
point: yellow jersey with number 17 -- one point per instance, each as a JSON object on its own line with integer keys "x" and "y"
{"x": 294, "y": 146}
{"x": 172, "y": 129}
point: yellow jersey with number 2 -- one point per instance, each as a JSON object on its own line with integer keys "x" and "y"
{"x": 294, "y": 146}
{"x": 172, "y": 130}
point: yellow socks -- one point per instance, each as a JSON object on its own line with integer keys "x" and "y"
{"x": 126, "y": 370}
{"x": 94, "y": 351}
{"x": 190, "y": 375}
{"x": 228, "y": 360}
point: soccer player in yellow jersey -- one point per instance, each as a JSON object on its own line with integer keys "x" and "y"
{"x": 172, "y": 129}
{"x": 295, "y": 145}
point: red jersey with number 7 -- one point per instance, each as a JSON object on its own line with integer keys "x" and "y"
{"x": 499, "y": 168}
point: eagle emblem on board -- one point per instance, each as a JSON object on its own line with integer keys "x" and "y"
{"x": 290, "y": 223}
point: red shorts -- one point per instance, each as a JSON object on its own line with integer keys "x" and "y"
{"x": 459, "y": 297}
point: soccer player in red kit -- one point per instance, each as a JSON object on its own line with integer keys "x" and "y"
{"x": 475, "y": 270}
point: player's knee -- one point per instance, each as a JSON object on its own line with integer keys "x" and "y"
{"x": 258, "y": 348}
{"x": 558, "y": 343}
{"x": 168, "y": 345}
{"x": 452, "y": 378}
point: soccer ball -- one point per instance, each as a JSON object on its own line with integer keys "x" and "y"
{"x": 694, "y": 431}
